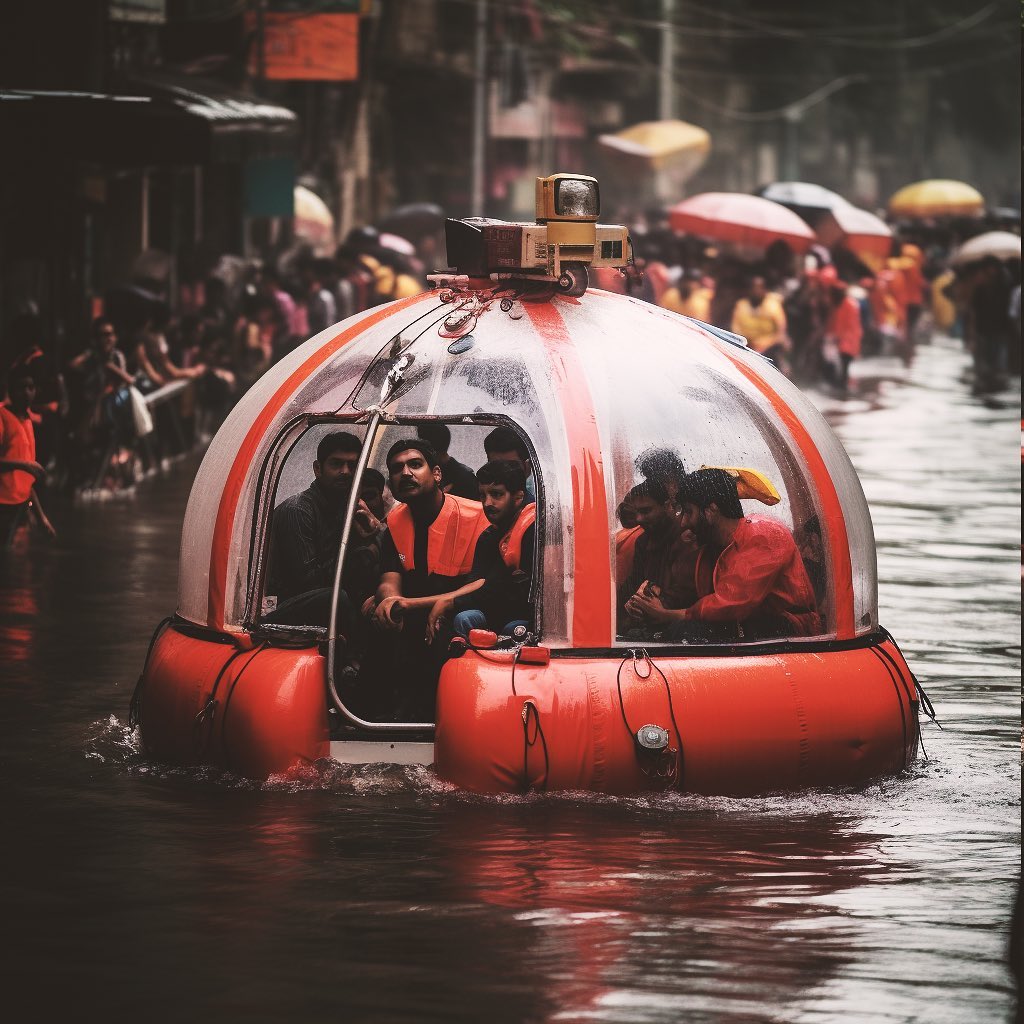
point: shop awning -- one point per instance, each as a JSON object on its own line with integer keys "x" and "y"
{"x": 156, "y": 120}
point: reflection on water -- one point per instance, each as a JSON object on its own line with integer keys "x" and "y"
{"x": 383, "y": 894}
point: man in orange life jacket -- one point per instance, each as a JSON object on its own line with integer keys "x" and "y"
{"x": 664, "y": 559}
{"x": 499, "y": 596}
{"x": 426, "y": 553}
{"x": 759, "y": 589}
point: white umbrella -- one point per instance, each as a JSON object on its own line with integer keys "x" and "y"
{"x": 1004, "y": 245}
{"x": 802, "y": 193}
{"x": 314, "y": 222}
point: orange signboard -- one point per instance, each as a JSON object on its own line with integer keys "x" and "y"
{"x": 322, "y": 47}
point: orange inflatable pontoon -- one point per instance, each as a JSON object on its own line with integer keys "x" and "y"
{"x": 595, "y": 385}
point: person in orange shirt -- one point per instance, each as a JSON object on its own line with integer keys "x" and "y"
{"x": 19, "y": 470}
{"x": 760, "y": 318}
{"x": 844, "y": 329}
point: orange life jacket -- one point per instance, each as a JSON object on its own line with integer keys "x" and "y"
{"x": 451, "y": 539}
{"x": 511, "y": 545}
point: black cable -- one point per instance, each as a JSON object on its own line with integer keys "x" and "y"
{"x": 926, "y": 705}
{"x": 515, "y": 661}
{"x": 680, "y": 762}
{"x": 135, "y": 703}
{"x": 231, "y": 692}
{"x": 899, "y": 698}
{"x": 529, "y": 706}
{"x": 208, "y": 709}
{"x": 622, "y": 705}
{"x": 672, "y": 716}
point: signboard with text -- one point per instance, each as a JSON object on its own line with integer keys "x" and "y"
{"x": 314, "y": 47}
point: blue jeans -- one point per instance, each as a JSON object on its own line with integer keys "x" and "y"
{"x": 473, "y": 618}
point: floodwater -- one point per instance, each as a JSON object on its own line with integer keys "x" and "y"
{"x": 134, "y": 891}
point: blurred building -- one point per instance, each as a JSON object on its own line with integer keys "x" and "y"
{"x": 180, "y": 127}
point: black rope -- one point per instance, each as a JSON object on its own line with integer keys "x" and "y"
{"x": 926, "y": 705}
{"x": 618, "y": 686}
{"x": 899, "y": 698}
{"x": 135, "y": 704}
{"x": 672, "y": 715}
{"x": 515, "y": 661}
{"x": 680, "y": 762}
{"x": 231, "y": 692}
{"x": 209, "y": 709}
{"x": 538, "y": 732}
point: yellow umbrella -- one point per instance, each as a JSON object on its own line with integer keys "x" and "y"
{"x": 659, "y": 145}
{"x": 937, "y": 197}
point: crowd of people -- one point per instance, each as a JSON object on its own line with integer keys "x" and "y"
{"x": 154, "y": 378}
{"x": 815, "y": 314}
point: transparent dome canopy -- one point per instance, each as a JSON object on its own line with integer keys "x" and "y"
{"x": 594, "y": 385}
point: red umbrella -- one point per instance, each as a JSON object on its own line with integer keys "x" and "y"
{"x": 736, "y": 217}
{"x": 864, "y": 234}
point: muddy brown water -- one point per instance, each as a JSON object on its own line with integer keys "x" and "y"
{"x": 137, "y": 892}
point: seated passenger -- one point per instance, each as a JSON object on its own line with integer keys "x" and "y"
{"x": 664, "y": 559}
{"x": 456, "y": 477}
{"x": 759, "y": 588}
{"x": 504, "y": 445}
{"x": 499, "y": 596}
{"x": 426, "y": 552}
{"x": 666, "y": 467}
{"x": 373, "y": 493}
{"x": 306, "y": 535}
{"x": 625, "y": 540}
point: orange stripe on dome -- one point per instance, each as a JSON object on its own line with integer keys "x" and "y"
{"x": 835, "y": 521}
{"x": 592, "y": 571}
{"x": 242, "y": 464}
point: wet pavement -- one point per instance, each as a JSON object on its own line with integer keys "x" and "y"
{"x": 134, "y": 891}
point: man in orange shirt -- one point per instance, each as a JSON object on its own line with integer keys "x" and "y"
{"x": 759, "y": 588}
{"x": 19, "y": 469}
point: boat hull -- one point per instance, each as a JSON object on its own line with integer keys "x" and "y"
{"x": 737, "y": 724}
{"x": 741, "y": 724}
{"x": 216, "y": 700}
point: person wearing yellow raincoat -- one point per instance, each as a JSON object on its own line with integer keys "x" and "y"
{"x": 760, "y": 318}
{"x": 689, "y": 297}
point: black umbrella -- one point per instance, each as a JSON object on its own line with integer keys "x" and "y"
{"x": 414, "y": 220}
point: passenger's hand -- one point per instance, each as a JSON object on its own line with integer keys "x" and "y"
{"x": 390, "y": 613}
{"x": 369, "y": 606}
{"x": 633, "y": 607}
{"x": 440, "y": 612}
{"x": 364, "y": 522}
{"x": 650, "y": 606}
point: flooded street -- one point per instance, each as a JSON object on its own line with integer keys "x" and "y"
{"x": 134, "y": 891}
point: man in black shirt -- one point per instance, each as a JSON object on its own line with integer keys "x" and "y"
{"x": 306, "y": 538}
{"x": 498, "y": 597}
{"x": 456, "y": 477}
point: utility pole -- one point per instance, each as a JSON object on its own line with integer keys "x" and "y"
{"x": 479, "y": 111}
{"x": 666, "y": 77}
